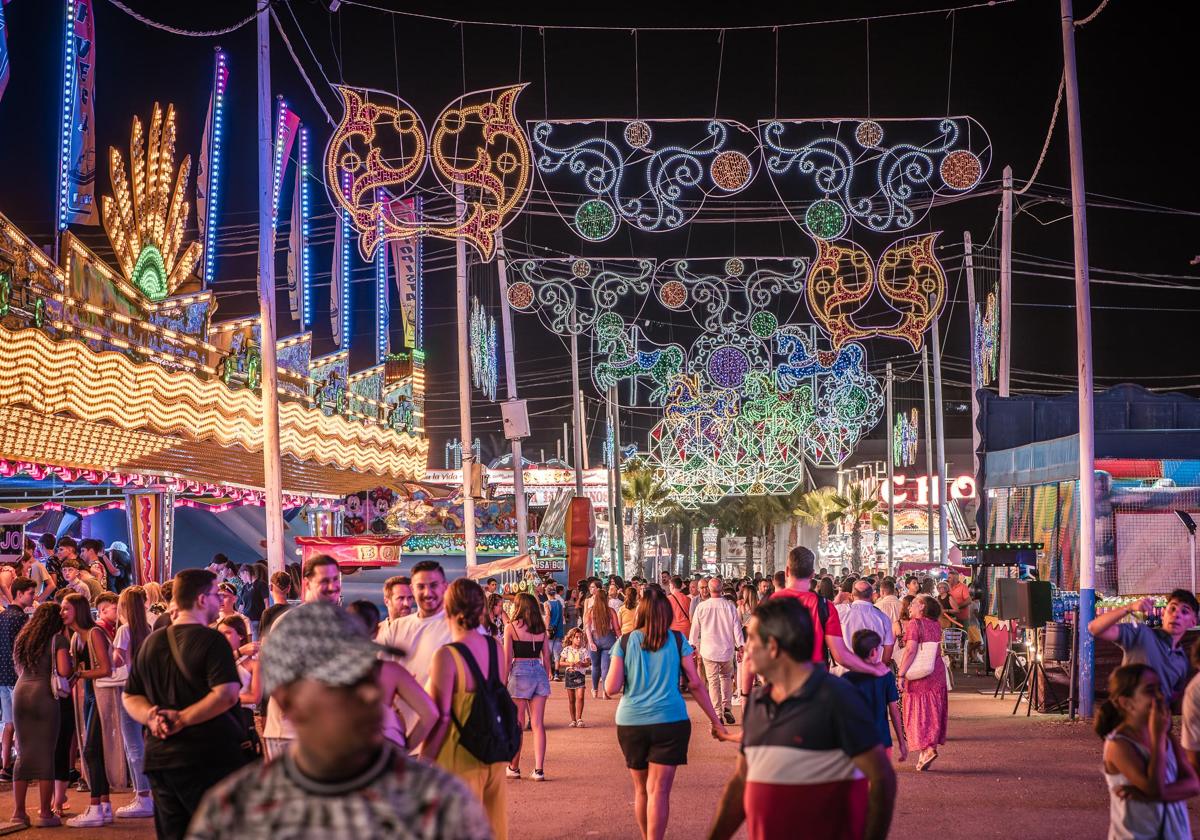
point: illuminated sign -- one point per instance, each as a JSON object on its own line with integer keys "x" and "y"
{"x": 917, "y": 489}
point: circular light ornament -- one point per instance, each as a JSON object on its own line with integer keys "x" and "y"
{"x": 520, "y": 295}
{"x": 730, "y": 170}
{"x": 595, "y": 220}
{"x": 734, "y": 267}
{"x": 825, "y": 219}
{"x": 869, "y": 134}
{"x": 673, "y": 294}
{"x": 581, "y": 268}
{"x": 637, "y": 134}
{"x": 728, "y": 366}
{"x": 961, "y": 170}
{"x": 150, "y": 274}
{"x": 764, "y": 324}
{"x": 610, "y": 326}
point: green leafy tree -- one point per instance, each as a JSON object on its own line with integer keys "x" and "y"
{"x": 642, "y": 489}
{"x": 819, "y": 508}
{"x": 859, "y": 505}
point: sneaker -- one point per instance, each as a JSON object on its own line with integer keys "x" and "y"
{"x": 510, "y": 773}
{"x": 141, "y": 806}
{"x": 730, "y": 720}
{"x": 538, "y": 776}
{"x": 107, "y": 808}
{"x": 93, "y": 817}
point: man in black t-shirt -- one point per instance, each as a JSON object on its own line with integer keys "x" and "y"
{"x": 184, "y": 688}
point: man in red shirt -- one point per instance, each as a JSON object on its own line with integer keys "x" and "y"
{"x": 827, "y": 626}
{"x": 681, "y": 607}
{"x": 960, "y": 598}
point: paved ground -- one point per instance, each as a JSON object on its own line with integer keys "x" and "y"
{"x": 999, "y": 777}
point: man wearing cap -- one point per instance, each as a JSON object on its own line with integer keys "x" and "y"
{"x": 341, "y": 778}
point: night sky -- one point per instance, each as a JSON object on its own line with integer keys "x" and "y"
{"x": 999, "y": 64}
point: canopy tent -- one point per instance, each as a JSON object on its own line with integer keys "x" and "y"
{"x": 506, "y": 564}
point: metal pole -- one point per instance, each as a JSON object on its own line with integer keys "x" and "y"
{"x": 939, "y": 426}
{"x": 1083, "y": 337}
{"x": 510, "y": 379}
{"x": 576, "y": 412}
{"x": 928, "y": 450}
{"x": 969, "y": 262}
{"x": 272, "y": 463}
{"x": 1006, "y": 219}
{"x": 612, "y": 484}
{"x": 619, "y": 499}
{"x": 1192, "y": 566}
{"x": 464, "y": 386}
{"x": 891, "y": 485}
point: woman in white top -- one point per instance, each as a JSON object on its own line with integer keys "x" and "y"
{"x": 1145, "y": 768}
{"x": 132, "y": 631}
{"x": 235, "y": 631}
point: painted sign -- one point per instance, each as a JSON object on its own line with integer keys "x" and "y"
{"x": 917, "y": 489}
{"x": 354, "y": 552}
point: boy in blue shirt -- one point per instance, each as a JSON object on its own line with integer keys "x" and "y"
{"x": 880, "y": 693}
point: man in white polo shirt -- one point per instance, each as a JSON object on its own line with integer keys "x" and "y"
{"x": 423, "y": 632}
{"x": 717, "y": 635}
{"x": 861, "y": 614}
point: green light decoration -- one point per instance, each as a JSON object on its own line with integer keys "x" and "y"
{"x": 150, "y": 273}
{"x": 764, "y": 324}
{"x": 825, "y": 219}
{"x": 595, "y": 219}
{"x": 39, "y": 313}
{"x": 5, "y": 293}
{"x": 905, "y": 437}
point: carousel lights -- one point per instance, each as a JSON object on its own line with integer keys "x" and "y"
{"x": 344, "y": 303}
{"x": 68, "y": 104}
{"x": 305, "y": 210}
{"x": 220, "y": 81}
{"x": 381, "y": 296}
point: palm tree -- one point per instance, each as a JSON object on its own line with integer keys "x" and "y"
{"x": 820, "y": 508}
{"x": 860, "y": 503}
{"x": 642, "y": 489}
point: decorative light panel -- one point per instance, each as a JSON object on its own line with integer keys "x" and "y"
{"x": 905, "y": 438}
{"x": 212, "y": 192}
{"x": 987, "y": 339}
{"x": 476, "y": 143}
{"x": 734, "y": 295}
{"x": 569, "y": 295}
{"x": 882, "y": 175}
{"x": 146, "y": 223}
{"x": 484, "y": 364}
{"x": 654, "y": 175}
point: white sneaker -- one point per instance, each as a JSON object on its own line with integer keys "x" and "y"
{"x": 107, "y": 809}
{"x": 140, "y": 806}
{"x": 510, "y": 773}
{"x": 93, "y": 817}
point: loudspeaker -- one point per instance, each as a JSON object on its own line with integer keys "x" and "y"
{"x": 1033, "y": 598}
{"x": 516, "y": 419}
{"x": 1008, "y": 601}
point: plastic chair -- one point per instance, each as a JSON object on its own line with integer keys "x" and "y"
{"x": 954, "y": 646}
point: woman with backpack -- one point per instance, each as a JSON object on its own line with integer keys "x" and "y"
{"x": 600, "y": 623}
{"x": 526, "y": 650}
{"x": 653, "y": 728}
{"x": 468, "y": 669}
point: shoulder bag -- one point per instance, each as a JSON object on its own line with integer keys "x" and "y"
{"x": 251, "y": 745}
{"x": 924, "y": 662}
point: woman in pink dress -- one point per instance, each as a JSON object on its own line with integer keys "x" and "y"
{"x": 926, "y": 700}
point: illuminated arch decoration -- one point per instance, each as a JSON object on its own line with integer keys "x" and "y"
{"x": 734, "y": 295}
{"x": 570, "y": 295}
{"x": 881, "y": 175}
{"x": 987, "y": 339}
{"x": 909, "y": 278}
{"x": 905, "y": 438}
{"x": 652, "y": 174}
{"x": 382, "y": 145}
{"x": 145, "y": 221}
{"x": 631, "y": 356}
{"x": 484, "y": 367}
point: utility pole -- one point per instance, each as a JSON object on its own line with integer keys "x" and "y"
{"x": 618, "y": 497}
{"x": 576, "y": 412}
{"x": 891, "y": 485}
{"x": 928, "y": 449}
{"x": 972, "y": 325}
{"x": 1083, "y": 338}
{"x": 939, "y": 425}
{"x": 1006, "y": 219}
{"x": 510, "y": 379}
{"x": 272, "y": 462}
{"x": 464, "y": 387}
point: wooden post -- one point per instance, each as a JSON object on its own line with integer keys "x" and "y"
{"x": 1006, "y": 220}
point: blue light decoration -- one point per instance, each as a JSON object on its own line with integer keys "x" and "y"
{"x": 220, "y": 82}
{"x": 306, "y": 313}
{"x": 279, "y": 165}
{"x": 382, "y": 339}
{"x": 347, "y": 233}
{"x": 831, "y": 173}
{"x": 68, "y": 105}
{"x": 621, "y": 178}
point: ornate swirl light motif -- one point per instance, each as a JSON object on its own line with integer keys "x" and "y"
{"x": 879, "y": 187}
{"x": 909, "y": 278}
{"x": 723, "y": 296}
{"x": 146, "y": 223}
{"x": 568, "y": 301}
{"x": 624, "y": 178}
{"x": 476, "y": 143}
{"x": 905, "y": 438}
{"x": 987, "y": 339}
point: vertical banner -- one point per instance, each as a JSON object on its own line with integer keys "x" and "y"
{"x": 146, "y": 535}
{"x": 295, "y": 256}
{"x": 3, "y": 52}
{"x": 208, "y": 180}
{"x": 406, "y": 259}
{"x": 77, "y": 153}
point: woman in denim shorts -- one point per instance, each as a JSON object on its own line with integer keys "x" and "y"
{"x": 528, "y": 677}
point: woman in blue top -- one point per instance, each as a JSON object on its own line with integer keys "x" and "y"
{"x": 652, "y": 718}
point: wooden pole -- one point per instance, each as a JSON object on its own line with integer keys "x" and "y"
{"x": 510, "y": 379}
{"x": 940, "y": 433}
{"x": 891, "y": 485}
{"x": 576, "y": 413}
{"x": 1006, "y": 219}
{"x": 272, "y": 462}
{"x": 928, "y": 450}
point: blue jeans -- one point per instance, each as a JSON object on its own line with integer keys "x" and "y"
{"x": 555, "y": 646}
{"x": 135, "y": 751}
{"x": 601, "y": 657}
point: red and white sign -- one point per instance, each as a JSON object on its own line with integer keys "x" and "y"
{"x": 354, "y": 552}
{"x": 917, "y": 489}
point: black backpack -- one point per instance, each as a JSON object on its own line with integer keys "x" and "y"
{"x": 491, "y": 732}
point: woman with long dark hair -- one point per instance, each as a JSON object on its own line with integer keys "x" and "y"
{"x": 652, "y": 719}
{"x": 133, "y": 630}
{"x": 90, "y": 650}
{"x": 528, "y": 658}
{"x": 600, "y": 625}
{"x": 42, "y": 654}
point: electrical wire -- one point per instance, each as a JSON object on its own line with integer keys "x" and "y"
{"x": 190, "y": 33}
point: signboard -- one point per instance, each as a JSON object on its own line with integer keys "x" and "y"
{"x": 917, "y": 489}
{"x": 12, "y": 541}
{"x": 550, "y": 564}
{"x": 354, "y": 552}
{"x": 733, "y": 549}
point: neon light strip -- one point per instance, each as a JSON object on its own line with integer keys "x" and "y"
{"x": 420, "y": 336}
{"x": 381, "y": 294}
{"x": 281, "y": 112}
{"x": 305, "y": 289}
{"x": 347, "y": 235}
{"x": 64, "y": 148}
{"x": 220, "y": 81}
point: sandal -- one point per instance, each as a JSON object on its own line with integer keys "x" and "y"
{"x": 579, "y": 724}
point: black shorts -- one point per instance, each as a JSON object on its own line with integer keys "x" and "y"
{"x": 660, "y": 743}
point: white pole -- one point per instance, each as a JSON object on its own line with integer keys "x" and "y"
{"x": 619, "y": 500}
{"x": 972, "y": 326}
{"x": 272, "y": 463}
{"x": 939, "y": 426}
{"x": 576, "y": 412}
{"x": 464, "y": 386}
{"x": 1083, "y": 338}
{"x": 1006, "y": 219}
{"x": 1192, "y": 565}
{"x": 510, "y": 379}
{"x": 929, "y": 484}
{"x": 891, "y": 485}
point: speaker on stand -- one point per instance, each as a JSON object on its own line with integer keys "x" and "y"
{"x": 1008, "y": 608}
{"x": 1035, "y": 612}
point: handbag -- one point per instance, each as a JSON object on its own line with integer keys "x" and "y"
{"x": 923, "y": 664}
